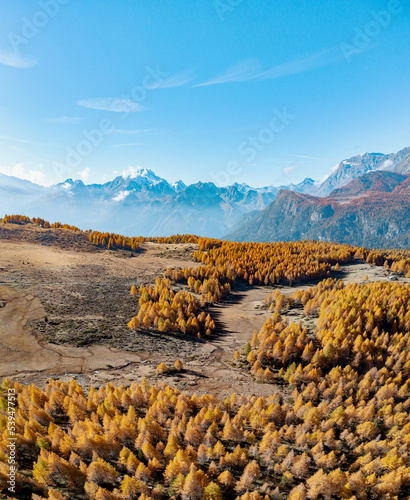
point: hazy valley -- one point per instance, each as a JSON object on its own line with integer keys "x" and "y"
{"x": 141, "y": 203}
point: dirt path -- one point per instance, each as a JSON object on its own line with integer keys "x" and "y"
{"x": 37, "y": 274}
{"x": 235, "y": 319}
{"x": 240, "y": 315}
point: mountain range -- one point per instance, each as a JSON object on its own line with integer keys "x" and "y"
{"x": 141, "y": 203}
{"x": 372, "y": 210}
{"x": 347, "y": 170}
{"x": 138, "y": 204}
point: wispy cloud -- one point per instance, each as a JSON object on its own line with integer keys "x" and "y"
{"x": 250, "y": 70}
{"x": 119, "y": 131}
{"x": 121, "y": 196}
{"x": 24, "y": 141}
{"x": 15, "y": 60}
{"x": 177, "y": 80}
{"x": 69, "y": 120}
{"x": 291, "y": 168}
{"x": 309, "y": 157}
{"x": 386, "y": 164}
{"x": 84, "y": 174}
{"x": 21, "y": 171}
{"x": 332, "y": 171}
{"x": 114, "y": 104}
{"x": 306, "y": 63}
{"x": 128, "y": 144}
{"x": 15, "y": 139}
{"x": 241, "y": 72}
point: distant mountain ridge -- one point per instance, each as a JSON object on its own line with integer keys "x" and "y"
{"x": 372, "y": 210}
{"x": 354, "y": 167}
{"x": 142, "y": 203}
{"x": 375, "y": 182}
{"x": 138, "y": 204}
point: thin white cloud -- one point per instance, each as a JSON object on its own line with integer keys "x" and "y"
{"x": 84, "y": 174}
{"x": 309, "y": 157}
{"x": 121, "y": 196}
{"x": 20, "y": 171}
{"x": 249, "y": 70}
{"x": 15, "y": 60}
{"x": 15, "y": 139}
{"x": 332, "y": 171}
{"x": 24, "y": 141}
{"x": 241, "y": 72}
{"x": 128, "y": 144}
{"x": 301, "y": 65}
{"x": 70, "y": 120}
{"x": 177, "y": 80}
{"x": 131, "y": 172}
{"x": 291, "y": 168}
{"x": 118, "y": 131}
{"x": 114, "y": 104}
{"x": 386, "y": 165}
{"x": 12, "y": 147}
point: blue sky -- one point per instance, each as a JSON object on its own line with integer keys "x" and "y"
{"x": 227, "y": 91}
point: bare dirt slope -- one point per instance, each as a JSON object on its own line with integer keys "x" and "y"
{"x": 65, "y": 314}
{"x": 23, "y": 352}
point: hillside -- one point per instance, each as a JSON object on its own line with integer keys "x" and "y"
{"x": 68, "y": 306}
{"x": 372, "y": 211}
{"x": 366, "y": 185}
{"x": 296, "y": 393}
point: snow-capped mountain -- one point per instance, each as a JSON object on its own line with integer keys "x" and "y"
{"x": 372, "y": 210}
{"x": 136, "y": 203}
{"x": 244, "y": 188}
{"x": 305, "y": 186}
{"x": 350, "y": 169}
{"x": 178, "y": 186}
{"x": 141, "y": 203}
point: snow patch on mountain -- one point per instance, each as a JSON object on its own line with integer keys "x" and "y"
{"x": 142, "y": 173}
{"x": 178, "y": 186}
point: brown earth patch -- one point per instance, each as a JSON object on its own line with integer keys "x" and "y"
{"x": 64, "y": 313}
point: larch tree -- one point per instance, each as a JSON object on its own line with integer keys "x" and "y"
{"x": 194, "y": 485}
{"x": 178, "y": 365}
